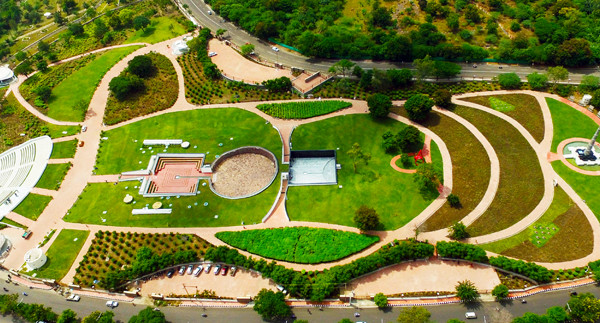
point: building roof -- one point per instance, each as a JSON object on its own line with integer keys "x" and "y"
{"x": 6, "y": 73}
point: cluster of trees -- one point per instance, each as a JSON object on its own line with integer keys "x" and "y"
{"x": 457, "y": 250}
{"x": 406, "y": 140}
{"x": 366, "y": 218}
{"x": 281, "y": 84}
{"x": 271, "y": 305}
{"x": 553, "y": 314}
{"x": 146, "y": 262}
{"x": 427, "y": 179}
{"x": 534, "y": 271}
{"x": 199, "y": 46}
{"x": 418, "y": 107}
{"x": 317, "y": 285}
{"x": 379, "y": 105}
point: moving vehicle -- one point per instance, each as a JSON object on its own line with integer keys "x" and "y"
{"x": 190, "y": 269}
{"x": 470, "y": 315}
{"x": 73, "y": 298}
{"x": 197, "y": 271}
{"x": 170, "y": 272}
{"x": 209, "y": 12}
{"x": 112, "y": 304}
{"x": 83, "y": 129}
{"x": 224, "y": 270}
{"x": 182, "y": 270}
{"x": 275, "y": 48}
{"x": 211, "y": 54}
{"x": 233, "y": 270}
{"x": 217, "y": 269}
{"x": 207, "y": 270}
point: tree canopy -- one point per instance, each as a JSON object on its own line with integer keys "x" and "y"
{"x": 379, "y": 105}
{"x": 366, "y": 218}
{"x": 271, "y": 305}
{"x": 418, "y": 107}
{"x": 148, "y": 315}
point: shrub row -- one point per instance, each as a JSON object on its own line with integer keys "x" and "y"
{"x": 457, "y": 250}
{"x": 302, "y": 110}
{"x": 298, "y": 244}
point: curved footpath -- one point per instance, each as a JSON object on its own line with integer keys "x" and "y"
{"x": 83, "y": 164}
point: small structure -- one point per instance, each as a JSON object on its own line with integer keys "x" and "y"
{"x": 35, "y": 258}
{"x": 585, "y": 100}
{"x": 6, "y": 76}
{"x": 312, "y": 167}
{"x": 128, "y": 199}
{"x": 180, "y": 47}
{"x": 48, "y": 15}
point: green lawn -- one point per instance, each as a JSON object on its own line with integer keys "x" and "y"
{"x": 33, "y": 205}
{"x": 53, "y": 176}
{"x": 585, "y": 186}
{"x": 524, "y": 108}
{"x": 12, "y": 222}
{"x": 521, "y": 180}
{"x": 393, "y": 195}
{"x": 470, "y": 172}
{"x": 573, "y": 240}
{"x": 71, "y": 97}
{"x": 302, "y": 110}
{"x": 204, "y": 129}
{"x": 436, "y": 158}
{"x": 64, "y": 149}
{"x": 62, "y": 254}
{"x": 159, "y": 30}
{"x": 298, "y": 244}
{"x": 569, "y": 123}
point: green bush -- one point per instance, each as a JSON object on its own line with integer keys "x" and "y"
{"x": 298, "y": 244}
{"x": 302, "y": 110}
{"x": 536, "y": 272}
{"x": 457, "y": 250}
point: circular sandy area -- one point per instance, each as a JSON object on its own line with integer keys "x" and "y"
{"x": 243, "y": 175}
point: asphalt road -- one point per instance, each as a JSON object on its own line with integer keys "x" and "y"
{"x": 492, "y": 311}
{"x": 200, "y": 11}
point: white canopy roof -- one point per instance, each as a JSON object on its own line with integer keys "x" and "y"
{"x": 6, "y": 73}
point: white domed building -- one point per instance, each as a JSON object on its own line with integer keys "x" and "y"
{"x": 6, "y": 76}
{"x": 35, "y": 258}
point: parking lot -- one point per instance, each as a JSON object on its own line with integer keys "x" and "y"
{"x": 244, "y": 283}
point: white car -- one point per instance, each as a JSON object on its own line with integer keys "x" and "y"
{"x": 470, "y": 315}
{"x": 209, "y": 12}
{"x": 190, "y": 269}
{"x": 275, "y": 48}
{"x": 112, "y": 304}
{"x": 182, "y": 270}
{"x": 84, "y": 129}
{"x": 211, "y": 54}
{"x": 207, "y": 270}
{"x": 197, "y": 271}
{"x": 73, "y": 298}
{"x": 217, "y": 269}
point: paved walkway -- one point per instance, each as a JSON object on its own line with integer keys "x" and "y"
{"x": 426, "y": 156}
{"x": 83, "y": 164}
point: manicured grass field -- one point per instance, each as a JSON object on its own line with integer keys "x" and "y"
{"x": 159, "y": 30}
{"x": 585, "y": 186}
{"x": 71, "y": 97}
{"x": 302, "y": 110}
{"x": 204, "y": 129}
{"x": 436, "y": 158}
{"x": 122, "y": 248}
{"x": 15, "y": 120}
{"x": 569, "y": 123}
{"x": 62, "y": 254}
{"x": 89, "y": 208}
{"x": 298, "y": 244}
{"x": 573, "y": 240}
{"x": 12, "y": 222}
{"x": 524, "y": 108}
{"x": 53, "y": 176}
{"x": 521, "y": 180}
{"x": 470, "y": 172}
{"x": 33, "y": 205}
{"x": 64, "y": 149}
{"x": 161, "y": 90}
{"x": 393, "y": 195}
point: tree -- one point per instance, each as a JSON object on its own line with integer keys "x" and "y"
{"x": 67, "y": 316}
{"x": 380, "y": 300}
{"x": 43, "y": 46}
{"x": 427, "y": 180}
{"x": 76, "y": 29}
{"x": 588, "y": 83}
{"x": 90, "y": 12}
{"x": 595, "y": 101}
{"x": 140, "y": 22}
{"x": 415, "y": 314}
{"x": 500, "y": 292}
{"x": 442, "y": 98}
{"x": 425, "y": 68}
{"x": 23, "y": 68}
{"x": 408, "y": 139}
{"x": 445, "y": 69}
{"x": 141, "y": 66}
{"x": 401, "y": 77}
{"x": 20, "y": 56}
{"x": 121, "y": 86}
{"x": 358, "y": 156}
{"x": 584, "y": 307}
{"x": 99, "y": 317}
{"x": 44, "y": 92}
{"x": 556, "y": 314}
{"x": 458, "y": 231}
{"x": 247, "y": 49}
{"x": 453, "y": 200}
{"x": 148, "y": 315}
{"x": 280, "y": 84}
{"x": 557, "y": 73}
{"x": 509, "y": 80}
{"x": 342, "y": 66}
{"x": 58, "y": 18}
{"x": 271, "y": 305}
{"x": 345, "y": 321}
{"x": 366, "y": 218}
{"x": 220, "y": 32}
{"x": 537, "y": 81}
{"x": 418, "y": 107}
{"x": 100, "y": 29}
{"x": 574, "y": 52}
{"x": 379, "y": 105}
{"x": 466, "y": 291}
{"x": 42, "y": 65}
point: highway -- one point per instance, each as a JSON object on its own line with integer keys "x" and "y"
{"x": 200, "y": 11}
{"x": 492, "y": 311}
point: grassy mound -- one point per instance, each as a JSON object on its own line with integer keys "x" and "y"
{"x": 302, "y": 110}
{"x": 298, "y": 244}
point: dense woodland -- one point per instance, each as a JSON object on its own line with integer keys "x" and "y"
{"x": 562, "y": 32}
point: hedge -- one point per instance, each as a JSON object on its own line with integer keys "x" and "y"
{"x": 302, "y": 110}
{"x": 298, "y": 244}
{"x": 457, "y": 250}
{"x": 536, "y": 272}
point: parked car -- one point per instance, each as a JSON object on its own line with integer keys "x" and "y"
{"x": 197, "y": 271}
{"x": 474, "y": 65}
{"x": 275, "y": 48}
{"x": 112, "y": 304}
{"x": 170, "y": 272}
{"x": 26, "y": 234}
{"x": 73, "y": 298}
{"x": 190, "y": 269}
{"x": 182, "y": 270}
{"x": 207, "y": 270}
{"x": 217, "y": 269}
{"x": 470, "y": 315}
{"x": 209, "y": 12}
{"x": 224, "y": 270}
{"x": 233, "y": 270}
{"x": 211, "y": 54}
